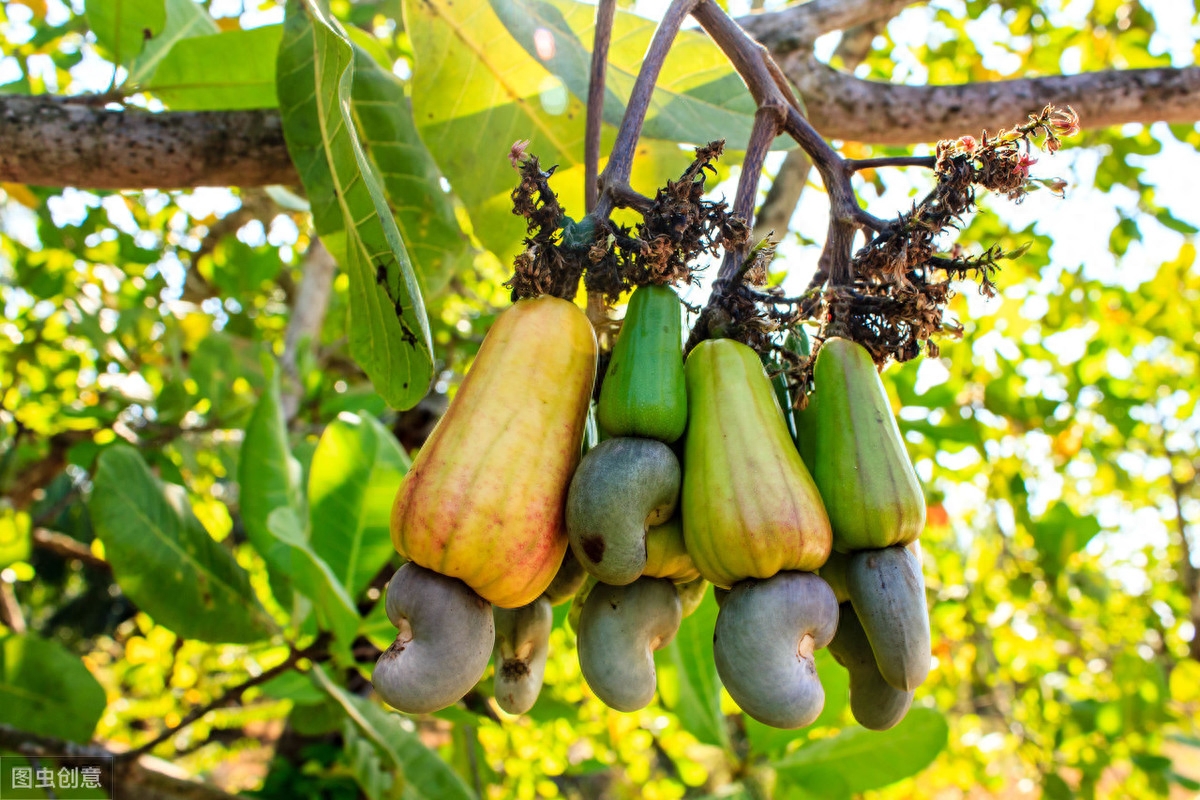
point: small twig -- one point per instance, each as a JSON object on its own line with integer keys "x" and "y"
{"x": 858, "y": 164}
{"x": 605, "y": 12}
{"x": 315, "y": 651}
{"x": 69, "y": 548}
{"x": 767, "y": 124}
{"x": 620, "y": 161}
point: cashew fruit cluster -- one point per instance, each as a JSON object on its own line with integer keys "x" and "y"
{"x": 809, "y": 533}
{"x": 850, "y": 439}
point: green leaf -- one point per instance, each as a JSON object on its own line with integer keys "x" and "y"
{"x": 1060, "y": 533}
{"x": 269, "y": 477}
{"x": 389, "y": 333}
{"x": 122, "y": 27}
{"x": 45, "y": 689}
{"x": 426, "y": 775}
{"x": 865, "y": 760}
{"x": 698, "y": 98}
{"x": 313, "y": 578}
{"x": 185, "y": 18}
{"x": 423, "y": 211}
{"x": 163, "y": 558}
{"x": 366, "y": 765}
{"x": 687, "y": 677}
{"x": 352, "y": 482}
{"x": 221, "y": 72}
{"x": 476, "y": 91}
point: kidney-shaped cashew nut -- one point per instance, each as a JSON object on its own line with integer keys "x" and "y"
{"x": 621, "y": 488}
{"x": 445, "y": 639}
{"x": 766, "y": 634}
{"x": 619, "y": 630}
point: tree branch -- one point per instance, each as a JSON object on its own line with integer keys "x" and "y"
{"x": 50, "y": 141}
{"x": 844, "y": 107}
{"x": 784, "y": 195}
{"x": 797, "y": 27}
{"x": 69, "y": 548}
{"x": 307, "y": 317}
{"x": 605, "y": 12}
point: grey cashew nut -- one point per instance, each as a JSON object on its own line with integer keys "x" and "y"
{"x": 620, "y": 627}
{"x": 445, "y": 639}
{"x": 763, "y": 645}
{"x": 888, "y": 592}
{"x": 621, "y": 488}
{"x": 522, "y": 644}
{"x": 874, "y": 702}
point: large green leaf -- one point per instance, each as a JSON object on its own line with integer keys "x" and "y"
{"x": 185, "y": 18}
{"x": 47, "y": 690}
{"x": 122, "y": 27}
{"x": 352, "y": 482}
{"x": 389, "y": 333}
{"x": 698, "y": 98}
{"x": 862, "y": 760}
{"x": 425, "y": 775}
{"x": 269, "y": 477}
{"x": 688, "y": 682}
{"x": 163, "y": 558}
{"x": 422, "y": 208}
{"x": 221, "y": 72}
{"x": 313, "y": 578}
{"x": 476, "y": 91}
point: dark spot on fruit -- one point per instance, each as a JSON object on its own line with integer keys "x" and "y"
{"x": 514, "y": 669}
{"x": 593, "y": 548}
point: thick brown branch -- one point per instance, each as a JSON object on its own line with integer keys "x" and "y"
{"x": 55, "y": 142}
{"x": 844, "y": 107}
{"x": 796, "y": 27}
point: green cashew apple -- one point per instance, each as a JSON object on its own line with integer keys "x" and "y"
{"x": 888, "y": 593}
{"x": 644, "y": 393}
{"x": 874, "y": 702}
{"x": 619, "y": 630}
{"x": 849, "y": 439}
{"x": 621, "y": 488}
{"x": 766, "y": 634}
{"x": 522, "y": 644}
{"x": 750, "y": 508}
{"x": 483, "y": 500}
{"x": 442, "y": 648}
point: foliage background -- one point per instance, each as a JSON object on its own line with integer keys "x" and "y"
{"x": 184, "y": 503}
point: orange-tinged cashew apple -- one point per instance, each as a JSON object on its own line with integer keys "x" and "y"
{"x": 484, "y": 499}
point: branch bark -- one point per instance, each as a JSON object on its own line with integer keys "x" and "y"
{"x": 797, "y": 27}
{"x": 844, "y": 107}
{"x": 52, "y": 141}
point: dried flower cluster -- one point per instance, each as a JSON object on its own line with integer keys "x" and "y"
{"x": 677, "y": 227}
{"x": 901, "y": 283}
